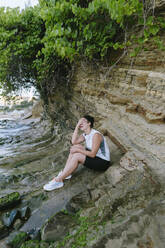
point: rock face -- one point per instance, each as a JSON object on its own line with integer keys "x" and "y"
{"x": 57, "y": 227}
{"x": 123, "y": 207}
{"x": 120, "y": 208}
{"x": 128, "y": 103}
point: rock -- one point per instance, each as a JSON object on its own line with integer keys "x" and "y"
{"x": 133, "y": 160}
{"x": 25, "y": 213}
{"x": 10, "y": 217}
{"x": 115, "y": 174}
{"x": 129, "y": 105}
{"x": 34, "y": 234}
{"x": 27, "y": 116}
{"x": 37, "y": 109}
{"x": 16, "y": 239}
{"x": 31, "y": 244}
{"x": 9, "y": 200}
{"x": 3, "y": 230}
{"x": 78, "y": 202}
{"x": 9, "y": 179}
{"x": 17, "y": 224}
{"x": 88, "y": 212}
{"x": 57, "y": 227}
{"x": 34, "y": 244}
{"x": 142, "y": 229}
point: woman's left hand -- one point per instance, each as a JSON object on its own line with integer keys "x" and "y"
{"x": 74, "y": 149}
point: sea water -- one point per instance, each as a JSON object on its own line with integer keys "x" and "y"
{"x": 11, "y": 131}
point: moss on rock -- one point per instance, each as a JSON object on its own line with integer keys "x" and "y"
{"x": 9, "y": 200}
{"x": 34, "y": 244}
{"x": 18, "y": 240}
{"x": 58, "y": 226}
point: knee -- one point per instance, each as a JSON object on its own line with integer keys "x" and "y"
{"x": 77, "y": 156}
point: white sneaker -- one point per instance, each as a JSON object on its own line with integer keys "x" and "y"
{"x": 52, "y": 182}
{"x": 68, "y": 177}
{"x": 53, "y": 185}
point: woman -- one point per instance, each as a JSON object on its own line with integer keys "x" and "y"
{"x": 95, "y": 155}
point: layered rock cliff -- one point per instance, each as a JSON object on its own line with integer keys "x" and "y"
{"x": 123, "y": 207}
{"x": 128, "y": 103}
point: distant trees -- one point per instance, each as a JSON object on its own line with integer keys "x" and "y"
{"x": 21, "y": 36}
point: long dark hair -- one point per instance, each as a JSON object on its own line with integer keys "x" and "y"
{"x": 89, "y": 119}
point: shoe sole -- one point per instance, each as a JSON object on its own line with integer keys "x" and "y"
{"x": 52, "y": 188}
{"x": 69, "y": 177}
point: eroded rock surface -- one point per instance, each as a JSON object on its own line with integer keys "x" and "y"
{"x": 123, "y": 207}
{"x": 128, "y": 103}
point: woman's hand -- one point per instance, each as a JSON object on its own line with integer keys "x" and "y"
{"x": 79, "y": 123}
{"x": 76, "y": 149}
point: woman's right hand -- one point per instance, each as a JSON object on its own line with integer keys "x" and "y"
{"x": 79, "y": 123}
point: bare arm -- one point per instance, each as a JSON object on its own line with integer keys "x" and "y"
{"x": 76, "y": 139}
{"x": 97, "y": 139}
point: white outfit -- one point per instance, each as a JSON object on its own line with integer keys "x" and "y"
{"x": 103, "y": 151}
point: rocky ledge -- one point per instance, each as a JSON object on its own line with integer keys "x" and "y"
{"x": 123, "y": 207}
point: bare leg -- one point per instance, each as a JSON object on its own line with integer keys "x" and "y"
{"x": 71, "y": 165}
{"x": 71, "y": 154}
{"x": 68, "y": 169}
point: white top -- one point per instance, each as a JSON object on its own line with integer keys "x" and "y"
{"x": 103, "y": 151}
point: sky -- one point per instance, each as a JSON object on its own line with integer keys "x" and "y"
{"x": 17, "y": 3}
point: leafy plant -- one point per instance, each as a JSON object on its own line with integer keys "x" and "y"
{"x": 39, "y": 45}
{"x": 20, "y": 41}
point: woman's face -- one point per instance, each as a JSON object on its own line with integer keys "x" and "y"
{"x": 84, "y": 124}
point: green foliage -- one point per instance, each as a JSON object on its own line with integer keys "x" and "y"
{"x": 84, "y": 225}
{"x": 9, "y": 199}
{"x": 19, "y": 239}
{"x": 39, "y": 44}
{"x": 72, "y": 30}
{"x": 34, "y": 244}
{"x": 154, "y": 26}
{"x": 79, "y": 238}
{"x": 20, "y": 41}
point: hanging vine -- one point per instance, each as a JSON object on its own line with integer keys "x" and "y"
{"x": 40, "y": 44}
